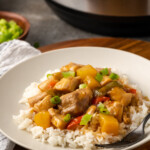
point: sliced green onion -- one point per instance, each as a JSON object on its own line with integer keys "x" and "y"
{"x": 36, "y": 45}
{"x": 55, "y": 100}
{"x": 104, "y": 71}
{"x": 67, "y": 118}
{"x": 82, "y": 86}
{"x": 99, "y": 77}
{"x": 101, "y": 105}
{"x": 9, "y": 30}
{"x": 68, "y": 74}
{"x": 49, "y": 75}
{"x": 114, "y": 76}
{"x": 85, "y": 119}
{"x": 102, "y": 108}
{"x": 104, "y": 111}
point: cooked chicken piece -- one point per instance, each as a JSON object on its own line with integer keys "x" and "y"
{"x": 105, "y": 80}
{"x": 51, "y": 92}
{"x": 71, "y": 67}
{"x": 118, "y": 94}
{"x": 91, "y": 110}
{"x": 47, "y": 84}
{"x": 43, "y": 105}
{"x": 58, "y": 121}
{"x": 94, "y": 123}
{"x": 91, "y": 82}
{"x": 134, "y": 100}
{"x": 126, "y": 116}
{"x": 53, "y": 112}
{"x": 58, "y": 75}
{"x": 76, "y": 103}
{"x": 115, "y": 108}
{"x": 36, "y": 98}
{"x": 126, "y": 119}
{"x": 67, "y": 84}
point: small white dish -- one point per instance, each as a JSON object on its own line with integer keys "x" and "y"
{"x": 13, "y": 83}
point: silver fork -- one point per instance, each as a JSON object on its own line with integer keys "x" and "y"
{"x": 132, "y": 138}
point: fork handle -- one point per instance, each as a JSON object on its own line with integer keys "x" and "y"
{"x": 145, "y": 120}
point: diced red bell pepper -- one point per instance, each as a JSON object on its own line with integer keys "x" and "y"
{"x": 133, "y": 91}
{"x": 100, "y": 99}
{"x": 74, "y": 123}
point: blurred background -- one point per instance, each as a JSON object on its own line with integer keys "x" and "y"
{"x": 47, "y": 28}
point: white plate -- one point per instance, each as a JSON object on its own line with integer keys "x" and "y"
{"x": 13, "y": 83}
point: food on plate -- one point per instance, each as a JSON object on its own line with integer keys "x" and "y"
{"x": 80, "y": 105}
{"x": 9, "y": 30}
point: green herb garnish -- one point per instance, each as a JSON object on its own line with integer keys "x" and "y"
{"x": 102, "y": 108}
{"x": 82, "y": 86}
{"x": 104, "y": 71}
{"x": 55, "y": 100}
{"x": 49, "y": 75}
{"x": 67, "y": 118}
{"x": 85, "y": 119}
{"x": 36, "y": 45}
{"x": 99, "y": 77}
{"x": 9, "y": 30}
{"x": 113, "y": 76}
{"x": 68, "y": 74}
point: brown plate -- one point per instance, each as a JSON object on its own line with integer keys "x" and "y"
{"x": 20, "y": 20}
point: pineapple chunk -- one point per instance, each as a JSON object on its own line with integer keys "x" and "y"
{"x": 86, "y": 70}
{"x": 91, "y": 82}
{"x": 109, "y": 124}
{"x": 43, "y": 119}
{"x": 118, "y": 94}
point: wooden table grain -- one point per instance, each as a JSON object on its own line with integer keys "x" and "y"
{"x": 138, "y": 47}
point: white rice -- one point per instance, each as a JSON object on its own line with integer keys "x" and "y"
{"x": 74, "y": 139}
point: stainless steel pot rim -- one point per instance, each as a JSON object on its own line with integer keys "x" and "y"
{"x": 109, "y": 7}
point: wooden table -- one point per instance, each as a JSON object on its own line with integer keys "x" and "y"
{"x": 141, "y": 48}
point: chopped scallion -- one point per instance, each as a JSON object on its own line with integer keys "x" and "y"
{"x": 82, "y": 86}
{"x": 55, "y": 100}
{"x": 49, "y": 75}
{"x": 104, "y": 71}
{"x": 102, "y": 108}
{"x": 101, "y": 105}
{"x": 67, "y": 118}
{"x": 68, "y": 74}
{"x": 114, "y": 76}
{"x": 85, "y": 119}
{"x": 36, "y": 45}
{"x": 99, "y": 77}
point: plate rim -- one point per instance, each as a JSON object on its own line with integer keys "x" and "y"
{"x": 64, "y": 49}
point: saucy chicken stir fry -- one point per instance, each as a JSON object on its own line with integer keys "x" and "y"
{"x": 81, "y": 96}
